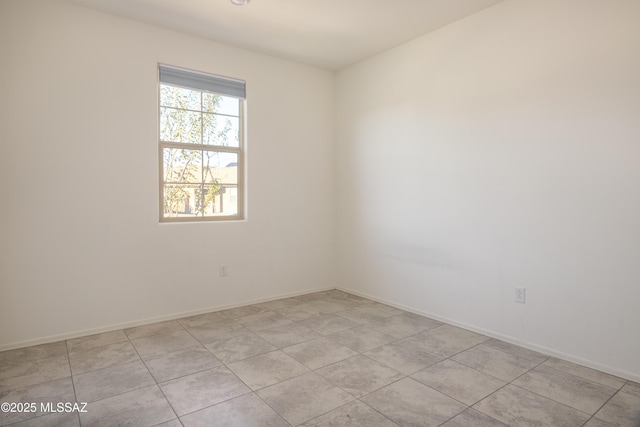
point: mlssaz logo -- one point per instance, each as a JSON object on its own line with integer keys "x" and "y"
{"x": 63, "y": 407}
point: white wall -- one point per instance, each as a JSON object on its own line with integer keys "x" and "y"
{"x": 501, "y": 151}
{"x": 81, "y": 248}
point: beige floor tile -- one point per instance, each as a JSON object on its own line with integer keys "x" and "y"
{"x": 359, "y": 375}
{"x": 153, "y": 329}
{"x": 354, "y": 414}
{"x": 356, "y": 299}
{"x": 212, "y": 332}
{"x": 22, "y": 374}
{"x": 404, "y": 325}
{"x": 410, "y": 403}
{"x": 515, "y": 350}
{"x": 60, "y": 390}
{"x": 596, "y": 422}
{"x": 447, "y": 340}
{"x": 329, "y": 324}
{"x": 197, "y": 391}
{"x": 180, "y": 363}
{"x": 473, "y": 418}
{"x": 93, "y": 341}
{"x": 267, "y": 369}
{"x": 156, "y": 345}
{"x": 107, "y": 382}
{"x": 301, "y": 312}
{"x": 335, "y": 293}
{"x": 288, "y": 335}
{"x": 366, "y": 313}
{"x": 632, "y": 388}
{"x": 387, "y": 309}
{"x": 142, "y": 407}
{"x": 280, "y": 303}
{"x": 171, "y": 423}
{"x": 42, "y": 351}
{"x": 361, "y": 339}
{"x": 262, "y": 321}
{"x": 247, "y": 310}
{"x": 317, "y": 296}
{"x": 406, "y": 356}
{"x": 303, "y": 398}
{"x": 207, "y": 319}
{"x": 458, "y": 381}
{"x": 623, "y": 410}
{"x": 561, "y": 386}
{"x": 333, "y": 305}
{"x": 518, "y": 407}
{"x": 102, "y": 357}
{"x": 494, "y": 362}
{"x": 240, "y": 348}
{"x": 245, "y": 411}
{"x": 57, "y": 419}
{"x": 318, "y": 353}
{"x": 586, "y": 373}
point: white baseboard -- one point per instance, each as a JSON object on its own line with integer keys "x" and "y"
{"x": 531, "y": 346}
{"x": 149, "y": 320}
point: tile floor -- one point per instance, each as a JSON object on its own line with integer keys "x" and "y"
{"x": 323, "y": 359}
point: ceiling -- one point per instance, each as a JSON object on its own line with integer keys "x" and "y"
{"x": 325, "y": 33}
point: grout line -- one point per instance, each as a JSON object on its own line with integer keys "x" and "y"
{"x": 73, "y": 382}
{"x": 154, "y": 378}
{"x": 378, "y": 412}
{"x": 455, "y": 415}
{"x": 605, "y": 403}
{"x": 506, "y": 384}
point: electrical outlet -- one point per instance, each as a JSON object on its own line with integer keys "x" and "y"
{"x": 519, "y": 295}
{"x": 223, "y": 270}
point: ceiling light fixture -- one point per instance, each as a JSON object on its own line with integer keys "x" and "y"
{"x": 240, "y": 2}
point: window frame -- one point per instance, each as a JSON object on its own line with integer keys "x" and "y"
{"x": 239, "y": 151}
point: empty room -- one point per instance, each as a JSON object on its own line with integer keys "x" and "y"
{"x": 320, "y": 213}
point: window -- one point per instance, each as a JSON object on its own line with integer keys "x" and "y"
{"x": 201, "y": 146}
